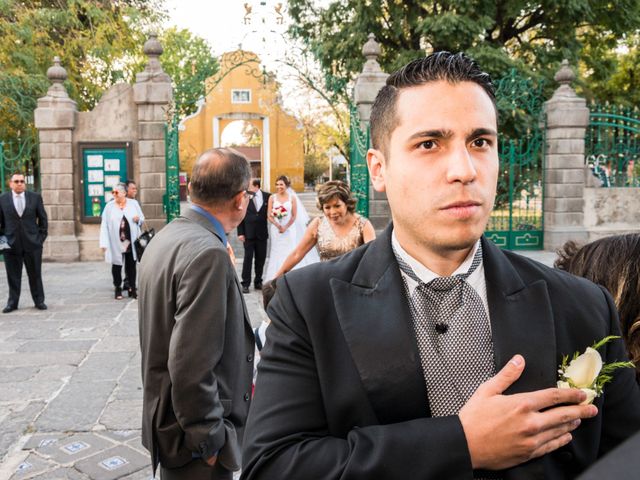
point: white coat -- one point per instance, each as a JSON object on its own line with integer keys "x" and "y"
{"x": 110, "y": 229}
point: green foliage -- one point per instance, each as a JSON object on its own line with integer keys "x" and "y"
{"x": 188, "y": 60}
{"x": 532, "y": 37}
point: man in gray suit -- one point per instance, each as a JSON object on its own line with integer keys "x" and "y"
{"x": 195, "y": 336}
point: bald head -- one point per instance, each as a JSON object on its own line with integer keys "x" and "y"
{"x": 218, "y": 175}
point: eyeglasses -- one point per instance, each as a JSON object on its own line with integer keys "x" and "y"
{"x": 17, "y": 181}
{"x": 249, "y": 193}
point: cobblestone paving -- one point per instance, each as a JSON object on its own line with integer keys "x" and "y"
{"x": 70, "y": 389}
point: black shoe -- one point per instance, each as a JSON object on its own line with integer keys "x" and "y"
{"x": 258, "y": 286}
{"x": 41, "y": 306}
{"x": 125, "y": 285}
{"x": 9, "y": 309}
{"x": 245, "y": 289}
{"x": 133, "y": 293}
{"x": 118, "y": 293}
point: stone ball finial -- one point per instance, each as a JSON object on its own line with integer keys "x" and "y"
{"x": 565, "y": 75}
{"x": 153, "y": 47}
{"x": 371, "y": 49}
{"x": 56, "y": 73}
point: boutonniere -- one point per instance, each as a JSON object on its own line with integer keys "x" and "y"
{"x": 587, "y": 372}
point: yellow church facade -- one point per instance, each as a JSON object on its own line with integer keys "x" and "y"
{"x": 239, "y": 92}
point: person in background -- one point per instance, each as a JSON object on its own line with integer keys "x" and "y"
{"x": 614, "y": 263}
{"x": 132, "y": 191}
{"x": 23, "y": 220}
{"x": 119, "y": 229}
{"x": 337, "y": 232}
{"x": 253, "y": 233}
{"x": 195, "y": 336}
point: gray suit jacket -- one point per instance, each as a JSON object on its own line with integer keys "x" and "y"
{"x": 197, "y": 347}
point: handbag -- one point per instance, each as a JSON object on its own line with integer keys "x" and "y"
{"x": 142, "y": 241}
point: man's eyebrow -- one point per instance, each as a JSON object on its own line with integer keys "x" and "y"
{"x": 479, "y": 132}
{"x": 439, "y": 133}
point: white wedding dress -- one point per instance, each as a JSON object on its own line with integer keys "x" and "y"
{"x": 282, "y": 244}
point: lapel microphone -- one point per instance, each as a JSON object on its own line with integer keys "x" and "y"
{"x": 441, "y": 327}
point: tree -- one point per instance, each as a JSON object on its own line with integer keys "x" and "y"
{"x": 188, "y": 60}
{"x": 501, "y": 35}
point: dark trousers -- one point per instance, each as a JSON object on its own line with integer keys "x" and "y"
{"x": 259, "y": 249}
{"x": 196, "y": 470}
{"x": 33, "y": 263}
{"x": 130, "y": 270}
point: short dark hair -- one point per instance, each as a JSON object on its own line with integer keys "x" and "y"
{"x": 336, "y": 189}
{"x": 255, "y": 182}
{"x": 450, "y": 67}
{"x": 614, "y": 263}
{"x": 129, "y": 182}
{"x": 216, "y": 181}
{"x": 285, "y": 179}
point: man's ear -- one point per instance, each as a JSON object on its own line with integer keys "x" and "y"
{"x": 376, "y": 163}
{"x": 238, "y": 199}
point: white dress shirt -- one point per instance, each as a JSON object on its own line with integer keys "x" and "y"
{"x": 16, "y": 196}
{"x": 258, "y": 200}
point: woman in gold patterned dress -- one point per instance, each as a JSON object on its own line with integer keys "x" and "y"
{"x": 337, "y": 232}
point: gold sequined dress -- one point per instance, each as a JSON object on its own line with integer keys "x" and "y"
{"x": 331, "y": 245}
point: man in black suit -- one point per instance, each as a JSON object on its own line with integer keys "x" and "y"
{"x": 429, "y": 353}
{"x": 24, "y": 222}
{"x": 253, "y": 233}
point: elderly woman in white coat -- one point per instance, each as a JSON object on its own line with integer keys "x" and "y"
{"x": 121, "y": 221}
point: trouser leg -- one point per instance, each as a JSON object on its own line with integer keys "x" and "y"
{"x": 116, "y": 273}
{"x": 261, "y": 256}
{"x": 130, "y": 269}
{"x": 33, "y": 265}
{"x": 13, "y": 265}
{"x": 196, "y": 470}
{"x": 249, "y": 246}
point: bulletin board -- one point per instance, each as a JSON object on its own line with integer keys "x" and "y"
{"x": 104, "y": 165}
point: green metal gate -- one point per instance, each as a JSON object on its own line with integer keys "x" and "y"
{"x": 19, "y": 156}
{"x": 171, "y": 200}
{"x": 612, "y": 145}
{"x": 359, "y": 142}
{"x": 516, "y": 222}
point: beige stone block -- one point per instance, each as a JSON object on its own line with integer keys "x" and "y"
{"x": 154, "y": 211}
{"x": 61, "y": 248}
{"x": 567, "y": 219}
{"x": 567, "y": 117}
{"x": 565, "y": 175}
{"x": 565, "y": 146}
{"x": 55, "y": 181}
{"x": 564, "y": 205}
{"x": 55, "y": 136}
{"x": 379, "y": 208}
{"x": 152, "y": 92}
{"x": 151, "y": 131}
{"x": 151, "y": 148}
{"x": 151, "y": 165}
{"x": 56, "y": 165}
{"x": 63, "y": 150}
{"x": 152, "y": 180}
{"x": 564, "y": 161}
{"x": 47, "y": 150}
{"x": 565, "y": 133}
{"x": 153, "y": 113}
{"x": 65, "y": 197}
{"x": 50, "y": 197}
{"x": 555, "y": 237}
{"x": 558, "y": 190}
{"x": 54, "y": 119}
{"x": 61, "y": 227}
{"x": 157, "y": 223}
{"x": 151, "y": 195}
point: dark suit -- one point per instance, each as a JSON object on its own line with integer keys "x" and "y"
{"x": 25, "y": 235}
{"x": 340, "y": 392}
{"x": 254, "y": 227}
{"x": 197, "y": 351}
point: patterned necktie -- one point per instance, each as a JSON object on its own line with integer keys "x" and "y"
{"x": 454, "y": 337}
{"x": 20, "y": 204}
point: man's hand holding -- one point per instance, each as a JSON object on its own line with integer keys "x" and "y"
{"x": 505, "y": 430}
{"x": 241, "y": 238}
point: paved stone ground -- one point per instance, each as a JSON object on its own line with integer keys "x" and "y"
{"x": 70, "y": 388}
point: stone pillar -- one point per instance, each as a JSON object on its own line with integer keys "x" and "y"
{"x": 55, "y": 119}
{"x": 153, "y": 94}
{"x": 567, "y": 120}
{"x": 367, "y": 86}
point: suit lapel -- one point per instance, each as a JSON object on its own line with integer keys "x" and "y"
{"x": 521, "y": 321}
{"x": 377, "y": 325}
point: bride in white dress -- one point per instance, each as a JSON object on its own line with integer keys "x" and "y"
{"x": 287, "y": 218}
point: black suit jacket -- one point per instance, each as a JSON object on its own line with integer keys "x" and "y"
{"x": 340, "y": 392}
{"x": 26, "y": 233}
{"x": 197, "y": 347}
{"x": 254, "y": 226}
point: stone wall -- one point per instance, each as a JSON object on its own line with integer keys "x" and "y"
{"x": 611, "y": 211}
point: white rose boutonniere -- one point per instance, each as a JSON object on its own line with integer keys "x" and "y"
{"x": 587, "y": 372}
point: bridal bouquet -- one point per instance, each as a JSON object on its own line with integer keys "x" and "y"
{"x": 587, "y": 372}
{"x": 279, "y": 212}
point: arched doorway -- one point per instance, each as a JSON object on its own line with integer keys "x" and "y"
{"x": 245, "y": 137}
